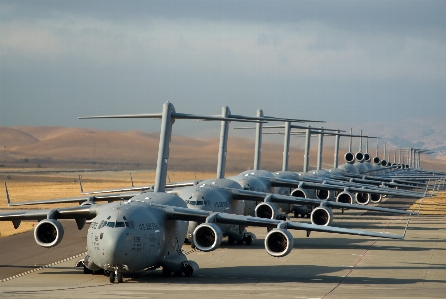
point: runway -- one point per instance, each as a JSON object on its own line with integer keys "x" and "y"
{"x": 321, "y": 266}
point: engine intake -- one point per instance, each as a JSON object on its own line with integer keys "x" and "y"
{"x": 349, "y": 158}
{"x": 345, "y": 197}
{"x": 298, "y": 192}
{"x": 362, "y": 198}
{"x": 376, "y": 160}
{"x": 323, "y": 194}
{"x": 366, "y": 157}
{"x": 359, "y": 157}
{"x": 375, "y": 198}
{"x": 322, "y": 216}
{"x": 48, "y": 233}
{"x": 279, "y": 242}
{"x": 267, "y": 210}
{"x": 207, "y": 236}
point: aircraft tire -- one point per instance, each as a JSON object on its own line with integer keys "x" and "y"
{"x": 240, "y": 242}
{"x": 231, "y": 241}
{"x": 248, "y": 240}
{"x": 87, "y": 271}
{"x": 189, "y": 271}
{"x": 120, "y": 277}
{"x": 112, "y": 277}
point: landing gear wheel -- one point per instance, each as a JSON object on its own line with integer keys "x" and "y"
{"x": 120, "y": 277}
{"x": 231, "y": 241}
{"x": 240, "y": 242}
{"x": 87, "y": 271}
{"x": 188, "y": 271}
{"x": 177, "y": 273}
{"x": 248, "y": 240}
{"x": 296, "y": 214}
{"x": 166, "y": 272}
{"x": 112, "y": 277}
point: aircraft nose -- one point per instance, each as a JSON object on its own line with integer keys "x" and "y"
{"x": 114, "y": 247}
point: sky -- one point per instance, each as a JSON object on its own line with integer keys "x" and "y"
{"x": 338, "y": 61}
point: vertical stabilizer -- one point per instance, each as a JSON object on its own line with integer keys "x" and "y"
{"x": 286, "y": 145}
{"x": 336, "y": 153}
{"x": 163, "y": 150}
{"x": 307, "y": 148}
{"x": 258, "y": 142}
{"x": 319, "y": 150}
{"x": 223, "y": 147}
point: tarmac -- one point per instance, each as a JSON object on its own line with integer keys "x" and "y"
{"x": 321, "y": 266}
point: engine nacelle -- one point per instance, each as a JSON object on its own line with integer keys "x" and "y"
{"x": 349, "y": 158}
{"x": 376, "y": 160}
{"x": 323, "y": 194}
{"x": 366, "y": 157}
{"x": 362, "y": 198}
{"x": 279, "y": 242}
{"x": 345, "y": 197}
{"x": 383, "y": 162}
{"x": 359, "y": 157}
{"x": 48, "y": 233}
{"x": 298, "y": 192}
{"x": 322, "y": 216}
{"x": 375, "y": 198}
{"x": 207, "y": 236}
{"x": 267, "y": 210}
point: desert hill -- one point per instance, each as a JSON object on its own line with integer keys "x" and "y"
{"x": 60, "y": 147}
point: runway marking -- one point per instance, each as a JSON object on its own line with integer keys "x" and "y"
{"x": 357, "y": 262}
{"x": 43, "y": 267}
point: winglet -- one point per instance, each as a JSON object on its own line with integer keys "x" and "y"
{"x": 80, "y": 184}
{"x": 7, "y": 195}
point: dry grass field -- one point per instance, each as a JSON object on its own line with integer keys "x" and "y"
{"x": 431, "y": 205}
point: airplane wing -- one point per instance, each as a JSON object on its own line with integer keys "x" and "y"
{"x": 80, "y": 200}
{"x": 176, "y": 213}
{"x": 277, "y": 198}
{"x": 329, "y": 185}
{"x": 88, "y": 212}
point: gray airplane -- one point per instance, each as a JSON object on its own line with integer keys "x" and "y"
{"x": 220, "y": 194}
{"x": 149, "y": 229}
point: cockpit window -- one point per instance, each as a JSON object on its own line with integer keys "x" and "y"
{"x": 192, "y": 202}
{"x": 200, "y": 203}
{"x": 130, "y": 224}
{"x": 110, "y": 224}
{"x": 120, "y": 224}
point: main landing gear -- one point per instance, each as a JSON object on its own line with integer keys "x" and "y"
{"x": 114, "y": 275}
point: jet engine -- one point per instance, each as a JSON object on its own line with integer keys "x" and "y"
{"x": 383, "y": 162}
{"x": 345, "y": 197}
{"x": 366, "y": 157}
{"x": 323, "y": 194}
{"x": 279, "y": 242}
{"x": 207, "y": 236}
{"x": 322, "y": 216}
{"x": 375, "y": 198}
{"x": 298, "y": 192}
{"x": 376, "y": 160}
{"x": 359, "y": 157}
{"x": 267, "y": 210}
{"x": 48, "y": 233}
{"x": 362, "y": 198}
{"x": 349, "y": 158}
